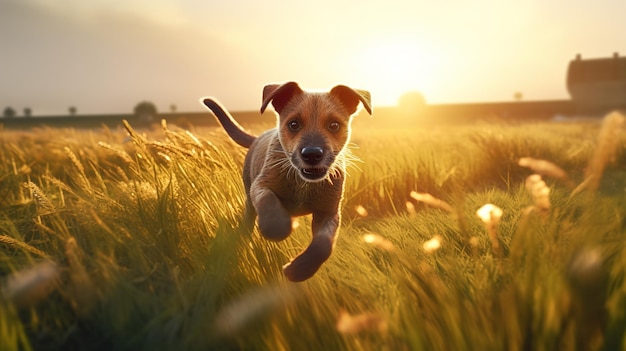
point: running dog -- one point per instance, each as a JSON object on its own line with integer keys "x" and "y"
{"x": 297, "y": 168}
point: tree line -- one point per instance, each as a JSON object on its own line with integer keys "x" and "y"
{"x": 144, "y": 109}
{"x": 10, "y": 112}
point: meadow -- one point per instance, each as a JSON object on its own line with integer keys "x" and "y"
{"x": 129, "y": 239}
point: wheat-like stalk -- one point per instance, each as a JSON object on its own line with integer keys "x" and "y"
{"x": 135, "y": 137}
{"x": 608, "y": 141}
{"x": 164, "y": 156}
{"x": 122, "y": 174}
{"x": 62, "y": 187}
{"x": 194, "y": 138}
{"x": 184, "y": 139}
{"x": 169, "y": 148}
{"x": 24, "y": 169}
{"x": 82, "y": 176}
{"x": 176, "y": 138}
{"x": 57, "y": 182}
{"x": 75, "y": 160}
{"x": 40, "y": 198}
{"x": 120, "y": 153}
{"x": 11, "y": 242}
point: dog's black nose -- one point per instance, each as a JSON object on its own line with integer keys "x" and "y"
{"x": 312, "y": 155}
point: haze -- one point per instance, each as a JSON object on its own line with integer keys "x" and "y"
{"x": 104, "y": 56}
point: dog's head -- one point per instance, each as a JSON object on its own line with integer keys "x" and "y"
{"x": 314, "y": 128}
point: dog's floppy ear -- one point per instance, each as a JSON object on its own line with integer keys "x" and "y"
{"x": 350, "y": 98}
{"x": 279, "y": 95}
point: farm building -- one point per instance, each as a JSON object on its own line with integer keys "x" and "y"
{"x": 597, "y": 84}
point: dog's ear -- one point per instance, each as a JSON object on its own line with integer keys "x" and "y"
{"x": 350, "y": 98}
{"x": 279, "y": 95}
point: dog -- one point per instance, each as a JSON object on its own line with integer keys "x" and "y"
{"x": 297, "y": 168}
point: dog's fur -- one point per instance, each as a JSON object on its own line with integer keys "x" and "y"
{"x": 298, "y": 168}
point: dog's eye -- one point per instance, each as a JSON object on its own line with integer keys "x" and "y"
{"x": 294, "y": 125}
{"x": 334, "y": 126}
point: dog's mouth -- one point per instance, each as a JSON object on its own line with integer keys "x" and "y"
{"x": 314, "y": 173}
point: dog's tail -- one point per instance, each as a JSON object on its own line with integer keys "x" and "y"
{"x": 233, "y": 129}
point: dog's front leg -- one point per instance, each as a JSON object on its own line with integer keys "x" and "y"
{"x": 273, "y": 219}
{"x": 310, "y": 260}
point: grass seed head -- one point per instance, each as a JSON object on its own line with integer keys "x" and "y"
{"x": 433, "y": 244}
{"x": 361, "y": 211}
{"x": 543, "y": 167}
{"x": 474, "y": 241}
{"x": 490, "y": 214}
{"x": 539, "y": 191}
{"x": 379, "y": 241}
{"x": 431, "y": 201}
{"x": 363, "y": 322}
{"x": 410, "y": 208}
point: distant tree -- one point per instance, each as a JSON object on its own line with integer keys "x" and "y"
{"x": 9, "y": 112}
{"x": 28, "y": 112}
{"x": 411, "y": 103}
{"x": 173, "y": 108}
{"x": 145, "y": 111}
{"x": 72, "y": 111}
{"x": 518, "y": 96}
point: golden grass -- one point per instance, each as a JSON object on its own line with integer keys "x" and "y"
{"x": 144, "y": 229}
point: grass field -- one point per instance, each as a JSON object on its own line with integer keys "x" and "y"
{"x": 128, "y": 240}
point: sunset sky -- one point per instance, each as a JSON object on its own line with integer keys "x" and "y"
{"x": 104, "y": 56}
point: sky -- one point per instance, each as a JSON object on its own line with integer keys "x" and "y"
{"x": 105, "y": 56}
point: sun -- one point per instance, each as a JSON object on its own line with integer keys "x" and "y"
{"x": 394, "y": 67}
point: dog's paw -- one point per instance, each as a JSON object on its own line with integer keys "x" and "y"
{"x": 275, "y": 227}
{"x": 309, "y": 262}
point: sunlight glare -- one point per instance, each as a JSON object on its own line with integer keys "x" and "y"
{"x": 395, "y": 67}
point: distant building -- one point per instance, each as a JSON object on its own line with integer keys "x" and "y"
{"x": 597, "y": 84}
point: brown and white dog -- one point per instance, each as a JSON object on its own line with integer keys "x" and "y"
{"x": 298, "y": 168}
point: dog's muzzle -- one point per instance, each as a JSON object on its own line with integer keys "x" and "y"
{"x": 312, "y": 157}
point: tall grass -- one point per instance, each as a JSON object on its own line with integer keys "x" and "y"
{"x": 132, "y": 239}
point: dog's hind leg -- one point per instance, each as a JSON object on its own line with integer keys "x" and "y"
{"x": 310, "y": 260}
